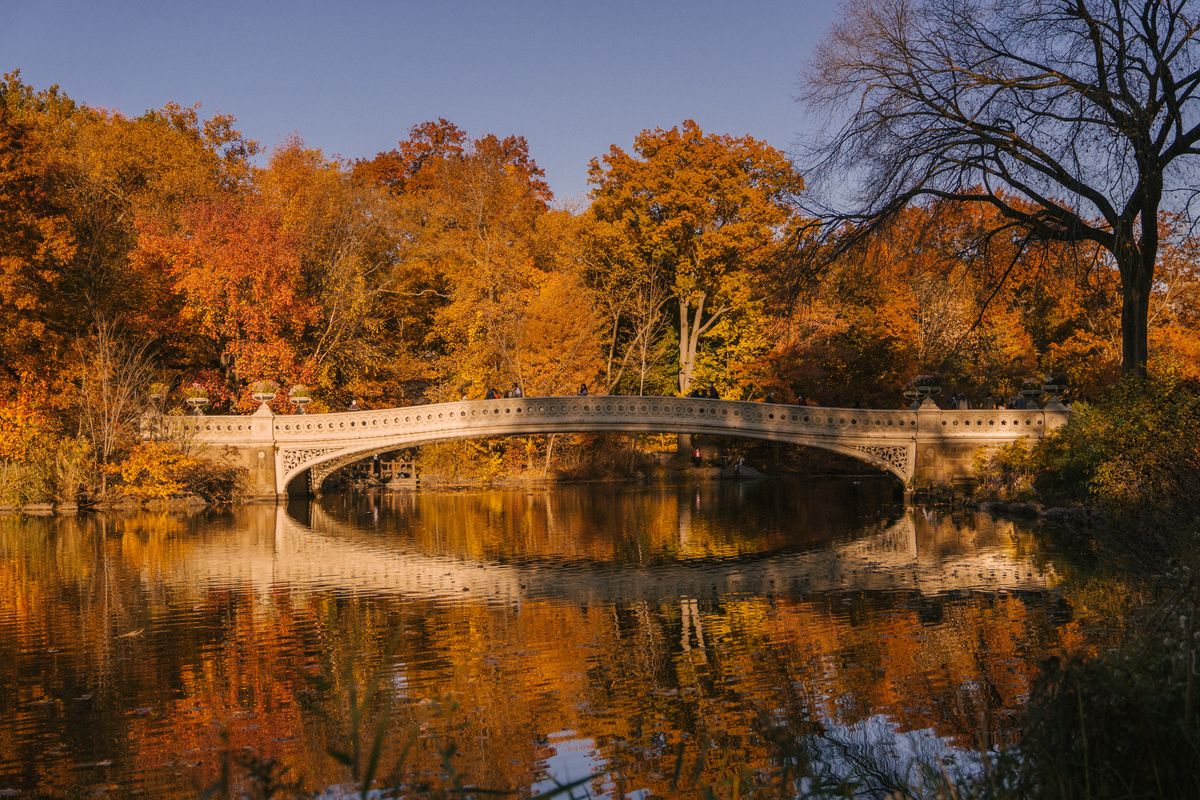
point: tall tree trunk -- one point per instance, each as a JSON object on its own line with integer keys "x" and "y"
{"x": 1136, "y": 263}
{"x": 690, "y": 328}
{"x": 612, "y": 352}
{"x": 642, "y": 369}
{"x": 689, "y": 334}
{"x": 549, "y": 455}
{"x": 1135, "y": 314}
{"x": 685, "y": 372}
{"x": 1135, "y": 260}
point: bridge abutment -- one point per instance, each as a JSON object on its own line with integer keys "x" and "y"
{"x": 949, "y": 444}
{"x": 249, "y": 443}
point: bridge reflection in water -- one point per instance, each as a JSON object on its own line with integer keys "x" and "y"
{"x": 546, "y": 633}
{"x": 329, "y": 552}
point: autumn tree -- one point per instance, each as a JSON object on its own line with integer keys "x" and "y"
{"x": 705, "y": 212}
{"x": 645, "y": 309}
{"x": 101, "y": 178}
{"x": 632, "y": 301}
{"x": 343, "y": 233}
{"x": 938, "y": 291}
{"x": 483, "y": 262}
{"x": 121, "y": 176}
{"x": 115, "y": 375}
{"x": 412, "y": 164}
{"x": 238, "y": 273}
{"x": 551, "y": 343}
{"x": 35, "y": 243}
{"x": 1075, "y": 119}
{"x": 1175, "y": 305}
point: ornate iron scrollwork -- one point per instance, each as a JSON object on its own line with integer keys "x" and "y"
{"x": 296, "y": 457}
{"x": 895, "y": 455}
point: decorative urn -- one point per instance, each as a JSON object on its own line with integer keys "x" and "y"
{"x": 264, "y": 391}
{"x": 300, "y": 396}
{"x": 921, "y": 388}
{"x": 196, "y": 396}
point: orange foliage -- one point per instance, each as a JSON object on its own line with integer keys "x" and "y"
{"x": 240, "y": 277}
{"x": 152, "y": 471}
{"x": 35, "y": 241}
{"x": 438, "y": 268}
{"x": 23, "y": 421}
{"x": 939, "y": 293}
{"x": 705, "y": 212}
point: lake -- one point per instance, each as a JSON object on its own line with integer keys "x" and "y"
{"x": 650, "y": 640}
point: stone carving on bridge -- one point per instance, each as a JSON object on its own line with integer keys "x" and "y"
{"x": 896, "y": 455}
{"x": 296, "y": 457}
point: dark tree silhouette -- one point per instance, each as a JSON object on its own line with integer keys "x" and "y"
{"x": 1077, "y": 119}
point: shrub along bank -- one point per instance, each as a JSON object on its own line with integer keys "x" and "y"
{"x": 1123, "y": 722}
{"x": 1133, "y": 456}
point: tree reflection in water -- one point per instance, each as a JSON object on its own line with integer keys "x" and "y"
{"x": 662, "y": 637}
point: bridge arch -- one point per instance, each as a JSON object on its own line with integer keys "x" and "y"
{"x": 889, "y": 459}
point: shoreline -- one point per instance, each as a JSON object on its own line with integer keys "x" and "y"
{"x": 673, "y": 477}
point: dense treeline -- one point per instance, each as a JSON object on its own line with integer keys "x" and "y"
{"x": 168, "y": 248}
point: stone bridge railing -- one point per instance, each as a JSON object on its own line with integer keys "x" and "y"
{"x": 923, "y": 444}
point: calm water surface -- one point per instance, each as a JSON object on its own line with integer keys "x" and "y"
{"x": 658, "y": 638}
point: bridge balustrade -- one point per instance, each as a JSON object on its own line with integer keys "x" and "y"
{"x": 901, "y": 441}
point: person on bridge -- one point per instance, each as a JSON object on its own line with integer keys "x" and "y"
{"x": 517, "y": 391}
{"x": 490, "y": 394}
{"x": 583, "y": 390}
{"x": 354, "y": 406}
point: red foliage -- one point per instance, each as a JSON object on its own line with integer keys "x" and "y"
{"x": 239, "y": 272}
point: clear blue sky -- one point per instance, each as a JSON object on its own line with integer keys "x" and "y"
{"x": 350, "y": 78}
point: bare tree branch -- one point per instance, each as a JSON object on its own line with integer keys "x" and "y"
{"x": 1076, "y": 119}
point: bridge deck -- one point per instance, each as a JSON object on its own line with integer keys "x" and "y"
{"x": 897, "y": 441}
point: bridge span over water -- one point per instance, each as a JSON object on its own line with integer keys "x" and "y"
{"x": 926, "y": 444}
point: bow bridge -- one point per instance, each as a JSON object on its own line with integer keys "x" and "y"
{"x": 926, "y": 444}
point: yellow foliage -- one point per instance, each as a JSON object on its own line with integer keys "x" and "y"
{"x": 152, "y": 471}
{"x": 703, "y": 212}
{"x": 22, "y": 423}
{"x": 37, "y": 464}
{"x": 159, "y": 471}
{"x": 1088, "y": 361}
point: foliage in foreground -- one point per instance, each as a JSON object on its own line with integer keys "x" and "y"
{"x": 1123, "y": 724}
{"x": 1134, "y": 454}
{"x": 61, "y": 472}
